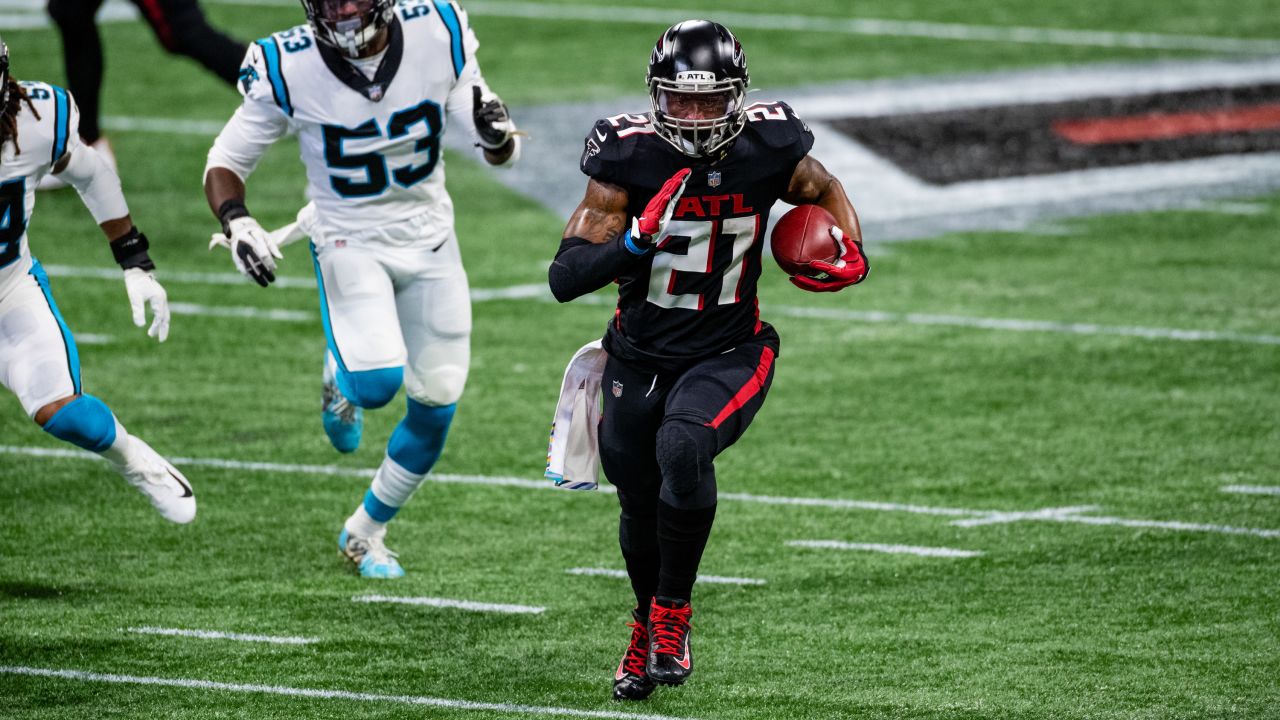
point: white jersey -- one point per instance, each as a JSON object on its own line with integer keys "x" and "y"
{"x": 374, "y": 161}
{"x": 40, "y": 144}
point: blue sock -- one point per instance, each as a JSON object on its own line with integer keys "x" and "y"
{"x": 418, "y": 440}
{"x": 85, "y": 422}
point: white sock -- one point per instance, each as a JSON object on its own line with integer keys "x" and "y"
{"x": 361, "y": 525}
{"x": 392, "y": 487}
{"x": 393, "y": 484}
{"x": 121, "y": 450}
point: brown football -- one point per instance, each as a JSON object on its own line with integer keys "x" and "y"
{"x": 803, "y": 236}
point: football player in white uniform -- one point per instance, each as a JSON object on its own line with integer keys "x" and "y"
{"x": 38, "y": 358}
{"x": 367, "y": 85}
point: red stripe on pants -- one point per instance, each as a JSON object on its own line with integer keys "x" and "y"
{"x": 155, "y": 13}
{"x": 748, "y": 391}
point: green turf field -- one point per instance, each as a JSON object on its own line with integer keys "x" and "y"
{"x": 1158, "y": 601}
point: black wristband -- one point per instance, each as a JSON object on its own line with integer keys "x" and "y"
{"x": 231, "y": 210}
{"x": 130, "y": 250}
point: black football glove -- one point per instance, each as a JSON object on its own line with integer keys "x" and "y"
{"x": 493, "y": 123}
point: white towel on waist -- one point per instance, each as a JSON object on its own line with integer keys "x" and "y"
{"x": 573, "y": 456}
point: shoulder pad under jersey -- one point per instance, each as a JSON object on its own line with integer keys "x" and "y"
{"x": 611, "y": 143}
{"x": 780, "y": 128}
{"x": 262, "y": 74}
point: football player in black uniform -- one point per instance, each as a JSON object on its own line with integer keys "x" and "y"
{"x": 179, "y": 25}
{"x": 675, "y": 212}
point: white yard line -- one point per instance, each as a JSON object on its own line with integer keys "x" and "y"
{"x": 1252, "y": 489}
{"x": 93, "y": 339}
{"x": 538, "y": 291}
{"x": 979, "y": 516}
{"x": 216, "y": 635}
{"x": 168, "y": 276}
{"x": 317, "y": 694}
{"x": 1008, "y": 517}
{"x": 708, "y": 579}
{"x": 1016, "y": 325}
{"x": 469, "y": 605}
{"x": 852, "y": 26}
{"x": 890, "y": 549}
{"x": 248, "y": 313}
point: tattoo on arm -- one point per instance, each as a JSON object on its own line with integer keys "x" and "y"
{"x": 601, "y": 216}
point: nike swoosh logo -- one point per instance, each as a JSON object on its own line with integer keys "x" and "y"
{"x": 188, "y": 493}
{"x": 601, "y": 135}
{"x": 685, "y": 661}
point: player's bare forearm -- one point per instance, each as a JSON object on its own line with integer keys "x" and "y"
{"x": 601, "y": 217}
{"x": 811, "y": 183}
{"x": 117, "y": 228}
{"x": 222, "y": 186}
{"x": 592, "y": 252}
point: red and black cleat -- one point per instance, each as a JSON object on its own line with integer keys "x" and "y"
{"x": 631, "y": 682}
{"x": 670, "y": 662}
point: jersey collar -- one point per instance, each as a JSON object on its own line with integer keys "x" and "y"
{"x": 376, "y": 88}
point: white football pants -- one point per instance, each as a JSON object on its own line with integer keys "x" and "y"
{"x": 38, "y": 357}
{"x": 390, "y": 306}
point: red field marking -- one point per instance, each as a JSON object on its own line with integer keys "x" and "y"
{"x": 1166, "y": 126}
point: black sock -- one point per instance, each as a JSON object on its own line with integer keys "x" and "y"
{"x": 682, "y": 536}
{"x": 638, "y": 536}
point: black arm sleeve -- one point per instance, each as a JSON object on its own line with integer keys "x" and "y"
{"x": 582, "y": 267}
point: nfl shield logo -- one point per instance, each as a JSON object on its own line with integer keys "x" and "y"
{"x": 617, "y": 389}
{"x": 713, "y": 178}
{"x": 374, "y": 92}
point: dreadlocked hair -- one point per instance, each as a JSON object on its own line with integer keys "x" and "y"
{"x": 14, "y": 97}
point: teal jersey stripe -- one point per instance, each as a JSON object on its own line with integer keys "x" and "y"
{"x": 61, "y": 122}
{"x": 451, "y": 23}
{"x": 279, "y": 88}
{"x": 69, "y": 342}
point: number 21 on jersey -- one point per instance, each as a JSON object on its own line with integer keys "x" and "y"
{"x": 706, "y": 256}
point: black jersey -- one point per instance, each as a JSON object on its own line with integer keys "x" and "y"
{"x": 696, "y": 295}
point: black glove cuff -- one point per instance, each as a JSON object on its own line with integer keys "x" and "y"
{"x": 130, "y": 250}
{"x": 231, "y": 210}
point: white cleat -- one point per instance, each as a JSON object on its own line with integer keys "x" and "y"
{"x": 164, "y": 485}
{"x": 371, "y": 556}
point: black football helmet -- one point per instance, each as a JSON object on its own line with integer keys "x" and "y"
{"x": 350, "y": 33}
{"x": 698, "y": 87}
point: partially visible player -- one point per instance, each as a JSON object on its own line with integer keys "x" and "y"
{"x": 370, "y": 86}
{"x": 675, "y": 211}
{"x": 179, "y": 25}
{"x": 38, "y": 358}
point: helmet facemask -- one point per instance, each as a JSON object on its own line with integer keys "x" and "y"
{"x": 349, "y": 26}
{"x": 697, "y": 113}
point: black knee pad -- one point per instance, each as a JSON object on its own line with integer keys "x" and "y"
{"x": 685, "y": 454}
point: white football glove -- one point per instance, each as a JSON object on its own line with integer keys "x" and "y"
{"x": 253, "y": 250}
{"x": 143, "y": 290}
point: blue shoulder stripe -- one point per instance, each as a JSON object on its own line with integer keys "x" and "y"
{"x": 61, "y": 122}
{"x": 450, "y": 18}
{"x": 279, "y": 88}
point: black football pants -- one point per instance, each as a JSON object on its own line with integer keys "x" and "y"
{"x": 659, "y": 435}
{"x": 178, "y": 24}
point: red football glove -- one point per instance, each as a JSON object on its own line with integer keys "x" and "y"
{"x": 850, "y": 269}
{"x": 658, "y": 212}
